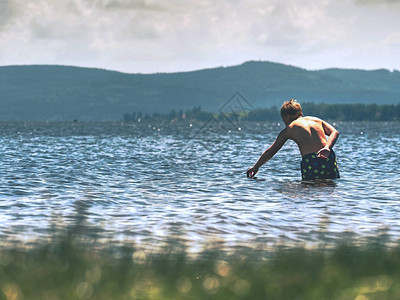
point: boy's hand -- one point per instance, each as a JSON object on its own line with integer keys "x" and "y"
{"x": 324, "y": 152}
{"x": 252, "y": 172}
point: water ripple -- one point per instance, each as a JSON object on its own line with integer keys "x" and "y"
{"x": 120, "y": 183}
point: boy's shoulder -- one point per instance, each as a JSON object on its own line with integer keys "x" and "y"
{"x": 305, "y": 122}
{"x": 304, "y": 119}
{"x": 312, "y": 118}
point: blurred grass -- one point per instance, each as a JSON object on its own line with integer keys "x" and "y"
{"x": 67, "y": 269}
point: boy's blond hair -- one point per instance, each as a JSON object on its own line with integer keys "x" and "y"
{"x": 292, "y": 108}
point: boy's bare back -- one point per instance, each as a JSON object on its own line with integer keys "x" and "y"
{"x": 309, "y": 133}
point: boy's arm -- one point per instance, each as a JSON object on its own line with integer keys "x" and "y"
{"x": 269, "y": 153}
{"x": 333, "y": 136}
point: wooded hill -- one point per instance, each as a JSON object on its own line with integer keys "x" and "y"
{"x": 68, "y": 93}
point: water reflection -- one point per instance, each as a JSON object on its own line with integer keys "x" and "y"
{"x": 300, "y": 189}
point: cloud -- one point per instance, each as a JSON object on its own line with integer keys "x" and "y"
{"x": 6, "y": 12}
{"x": 154, "y": 35}
{"x": 130, "y": 5}
{"x": 374, "y": 2}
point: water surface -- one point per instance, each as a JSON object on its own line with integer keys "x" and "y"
{"x": 148, "y": 185}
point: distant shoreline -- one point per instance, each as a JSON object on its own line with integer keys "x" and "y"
{"x": 335, "y": 112}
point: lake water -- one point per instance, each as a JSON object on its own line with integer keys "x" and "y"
{"x": 115, "y": 183}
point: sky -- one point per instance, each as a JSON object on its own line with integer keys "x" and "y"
{"x": 148, "y": 36}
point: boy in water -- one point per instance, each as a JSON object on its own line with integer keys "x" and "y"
{"x": 309, "y": 133}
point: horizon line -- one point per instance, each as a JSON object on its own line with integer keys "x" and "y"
{"x": 196, "y": 70}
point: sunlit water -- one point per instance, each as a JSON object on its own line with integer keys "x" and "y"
{"x": 148, "y": 185}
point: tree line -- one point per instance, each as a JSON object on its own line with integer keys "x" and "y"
{"x": 337, "y": 112}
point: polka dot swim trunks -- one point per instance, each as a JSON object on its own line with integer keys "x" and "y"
{"x": 313, "y": 167}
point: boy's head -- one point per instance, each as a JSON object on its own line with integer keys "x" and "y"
{"x": 291, "y": 110}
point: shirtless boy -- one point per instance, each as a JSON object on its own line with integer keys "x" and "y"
{"x": 309, "y": 133}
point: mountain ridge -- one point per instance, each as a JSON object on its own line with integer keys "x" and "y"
{"x": 55, "y": 92}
